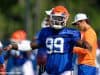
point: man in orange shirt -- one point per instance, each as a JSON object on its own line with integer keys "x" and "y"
{"x": 86, "y": 47}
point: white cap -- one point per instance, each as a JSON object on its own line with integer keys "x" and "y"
{"x": 48, "y": 12}
{"x": 79, "y": 16}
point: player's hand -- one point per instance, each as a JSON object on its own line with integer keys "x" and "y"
{"x": 79, "y": 43}
{"x": 7, "y": 48}
{"x": 83, "y": 44}
{"x": 87, "y": 45}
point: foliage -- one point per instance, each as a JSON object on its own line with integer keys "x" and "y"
{"x": 13, "y": 14}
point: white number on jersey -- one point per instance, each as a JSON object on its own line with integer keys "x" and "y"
{"x": 55, "y": 45}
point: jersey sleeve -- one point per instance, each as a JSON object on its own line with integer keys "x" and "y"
{"x": 76, "y": 36}
{"x": 40, "y": 39}
{"x": 37, "y": 34}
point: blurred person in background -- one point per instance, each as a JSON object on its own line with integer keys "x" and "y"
{"x": 46, "y": 21}
{"x": 2, "y": 64}
{"x": 86, "y": 47}
{"x": 98, "y": 58}
{"x": 18, "y": 61}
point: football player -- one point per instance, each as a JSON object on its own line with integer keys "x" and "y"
{"x": 2, "y": 64}
{"x": 58, "y": 41}
{"x": 18, "y": 60}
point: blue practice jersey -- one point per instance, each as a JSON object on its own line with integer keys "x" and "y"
{"x": 59, "y": 45}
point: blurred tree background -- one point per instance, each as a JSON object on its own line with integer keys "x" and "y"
{"x": 28, "y": 14}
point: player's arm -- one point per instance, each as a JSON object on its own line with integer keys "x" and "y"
{"x": 23, "y": 47}
{"x": 79, "y": 50}
{"x": 80, "y": 45}
{"x": 35, "y": 43}
{"x": 88, "y": 42}
{"x": 84, "y": 46}
{"x": 11, "y": 46}
{"x": 83, "y": 43}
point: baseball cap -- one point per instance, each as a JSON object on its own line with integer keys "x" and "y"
{"x": 79, "y": 16}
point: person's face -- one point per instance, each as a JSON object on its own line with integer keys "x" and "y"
{"x": 58, "y": 20}
{"x": 80, "y": 25}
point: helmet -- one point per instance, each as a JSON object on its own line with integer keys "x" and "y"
{"x": 58, "y": 17}
{"x": 18, "y": 36}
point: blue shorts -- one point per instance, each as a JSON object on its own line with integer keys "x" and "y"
{"x": 86, "y": 70}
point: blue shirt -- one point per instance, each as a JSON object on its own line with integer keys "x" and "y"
{"x": 59, "y": 45}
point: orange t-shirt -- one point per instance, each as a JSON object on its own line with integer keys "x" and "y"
{"x": 86, "y": 56}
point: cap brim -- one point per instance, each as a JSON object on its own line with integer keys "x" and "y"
{"x": 74, "y": 23}
{"x": 48, "y": 12}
